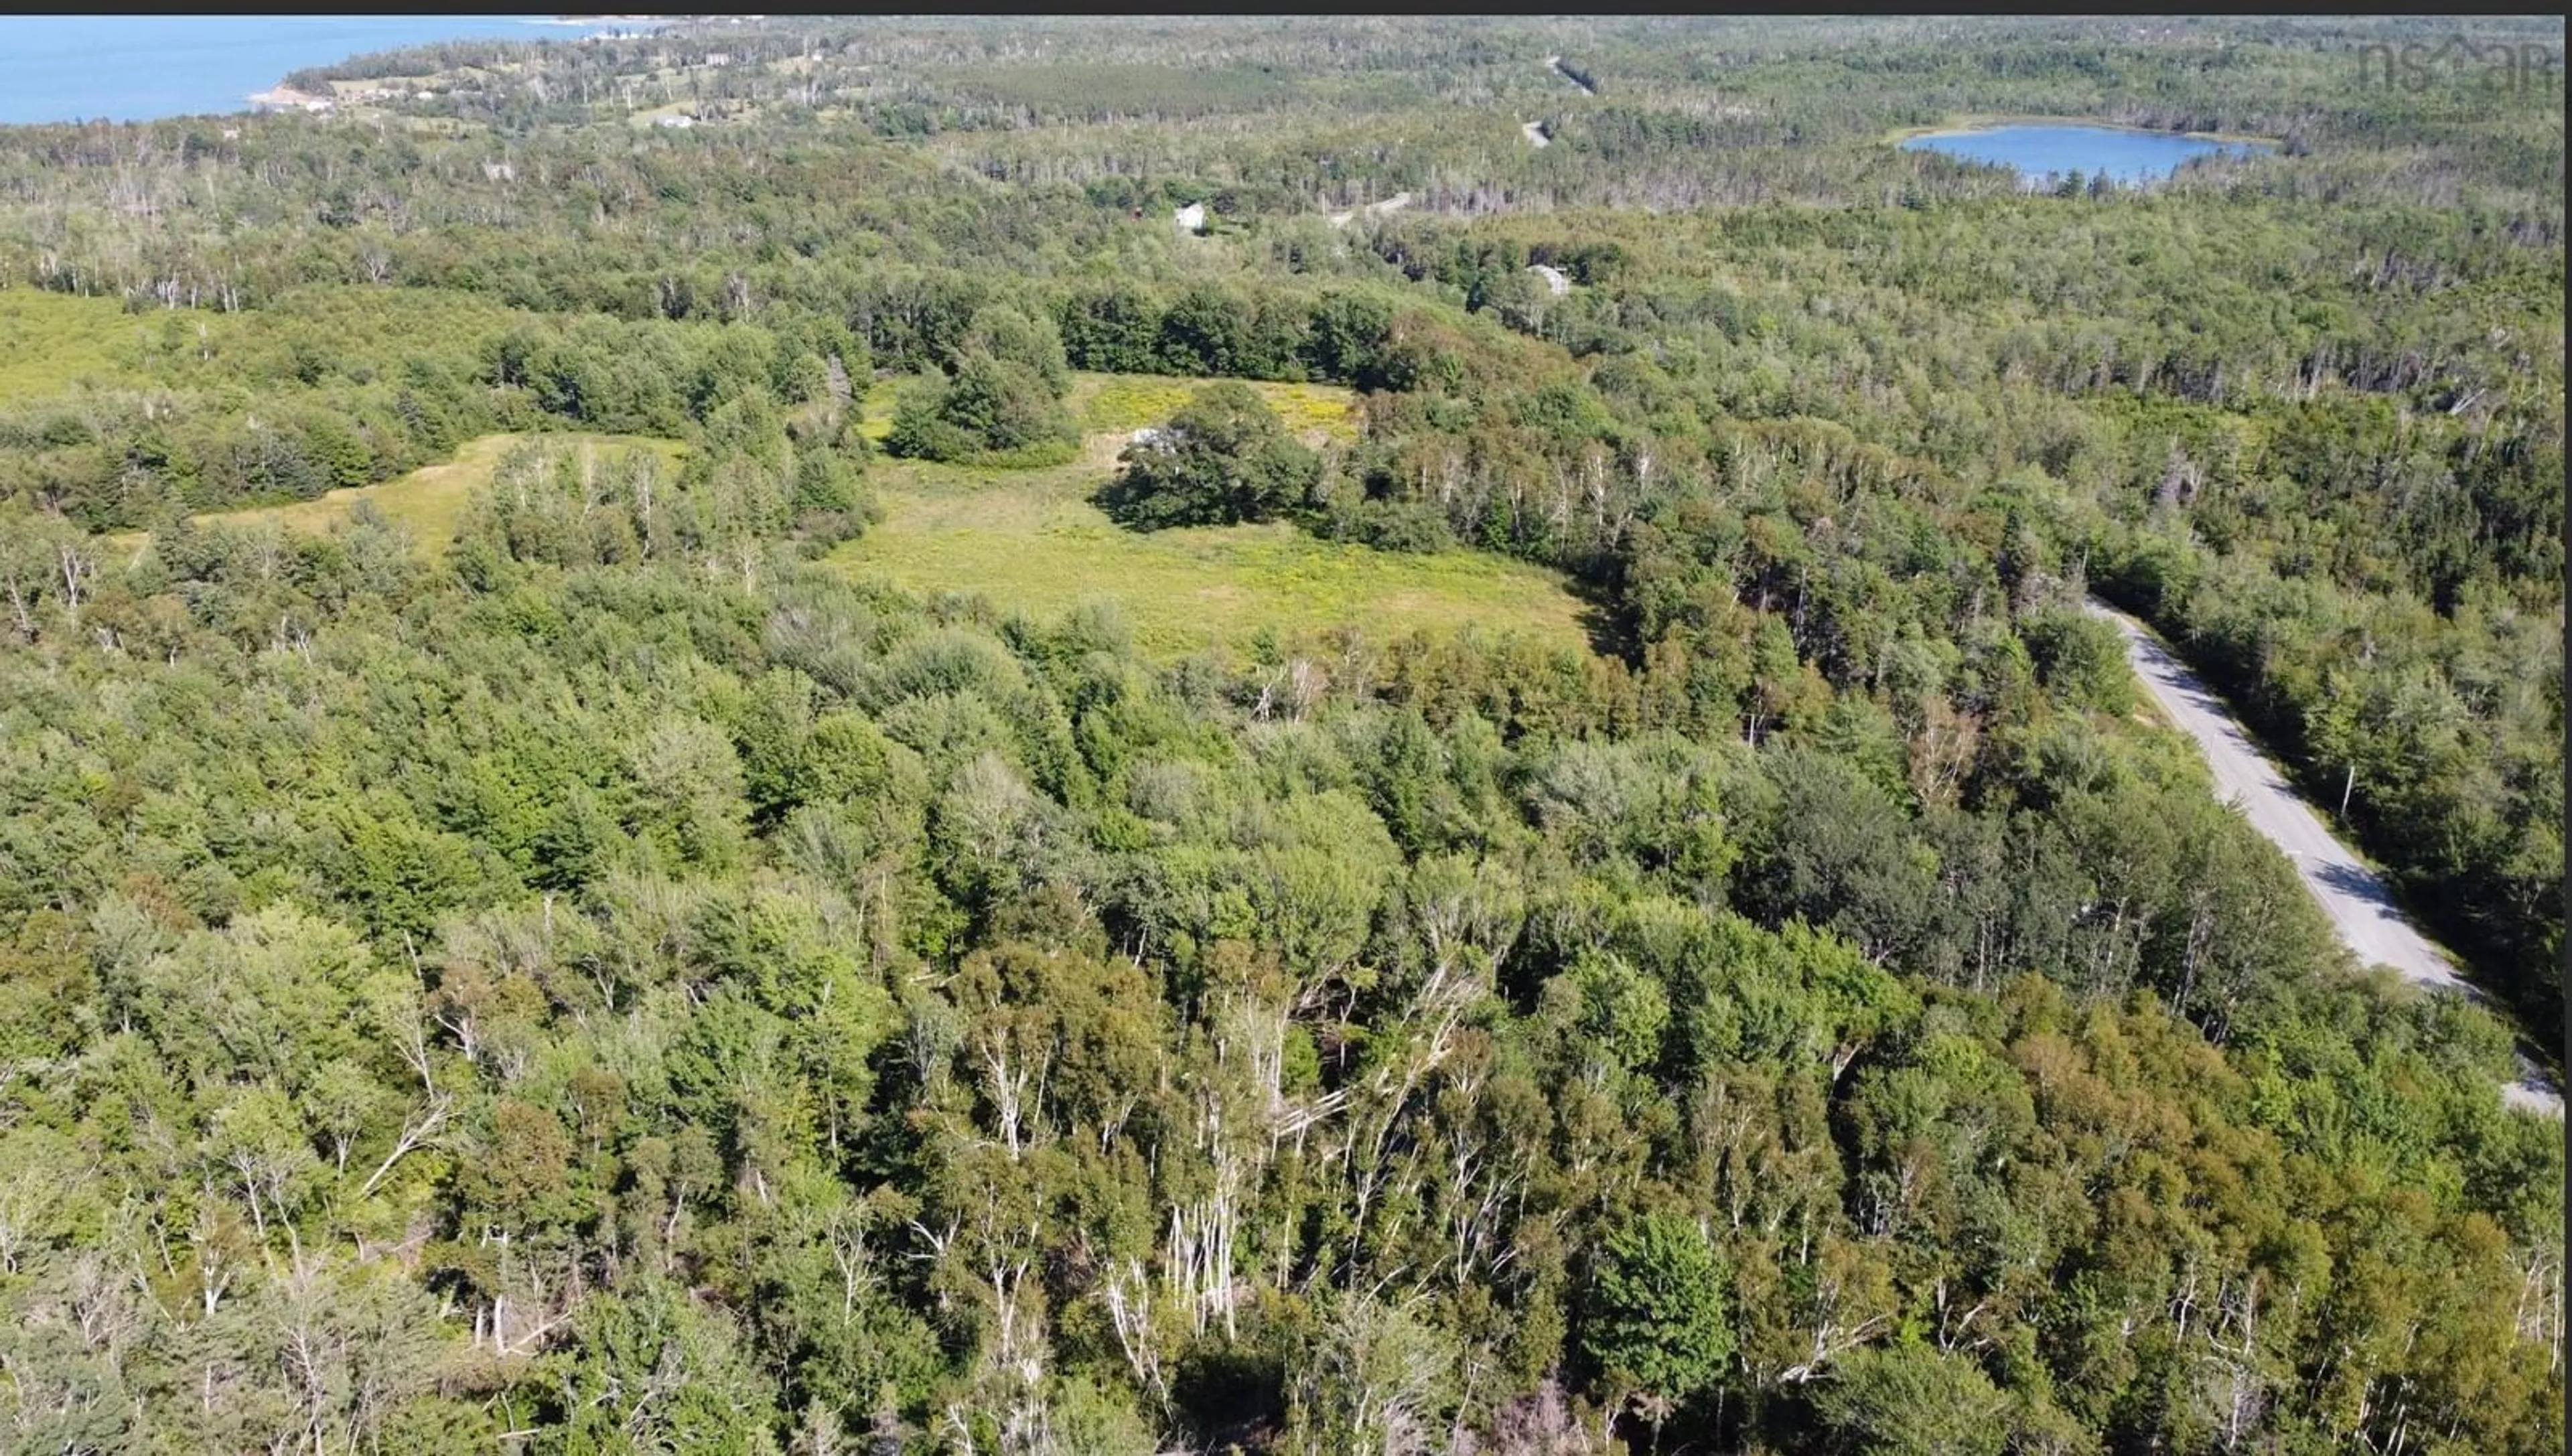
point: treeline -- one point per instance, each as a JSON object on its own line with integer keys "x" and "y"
{"x": 864, "y": 1025}
{"x": 2386, "y": 424}
{"x": 2425, "y": 733}
{"x": 1735, "y": 119}
{"x": 2357, "y": 394}
{"x": 338, "y": 388}
{"x": 2366, "y": 465}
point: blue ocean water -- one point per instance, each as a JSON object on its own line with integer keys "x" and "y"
{"x": 2044, "y": 153}
{"x": 56, "y": 68}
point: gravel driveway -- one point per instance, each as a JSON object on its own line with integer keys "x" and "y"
{"x": 2351, "y": 894}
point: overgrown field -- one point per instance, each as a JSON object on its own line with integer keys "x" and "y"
{"x": 429, "y": 500}
{"x": 50, "y": 341}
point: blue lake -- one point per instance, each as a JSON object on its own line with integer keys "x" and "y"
{"x": 56, "y": 68}
{"x": 2043, "y": 153}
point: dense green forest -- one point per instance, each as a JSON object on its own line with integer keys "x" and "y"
{"x": 593, "y": 968}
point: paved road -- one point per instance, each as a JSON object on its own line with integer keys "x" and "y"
{"x": 2351, "y": 894}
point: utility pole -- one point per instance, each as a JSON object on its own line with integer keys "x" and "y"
{"x": 2345, "y": 786}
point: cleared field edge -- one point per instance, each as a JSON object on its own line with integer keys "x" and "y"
{"x": 1212, "y": 587}
{"x": 50, "y": 343}
{"x": 1029, "y": 542}
{"x": 430, "y": 500}
{"x": 1122, "y": 403}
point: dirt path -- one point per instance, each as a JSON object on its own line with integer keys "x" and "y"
{"x": 2359, "y": 907}
{"x": 1393, "y": 203}
{"x": 1555, "y": 64}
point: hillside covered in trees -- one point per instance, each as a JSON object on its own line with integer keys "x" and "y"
{"x": 596, "y": 965}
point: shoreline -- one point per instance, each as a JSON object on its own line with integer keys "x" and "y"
{"x": 1987, "y": 121}
{"x": 282, "y": 97}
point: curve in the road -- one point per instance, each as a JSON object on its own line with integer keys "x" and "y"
{"x": 1555, "y": 64}
{"x": 2350, "y": 893}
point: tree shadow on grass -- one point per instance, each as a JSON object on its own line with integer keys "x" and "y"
{"x": 1139, "y": 508}
{"x": 1606, "y": 627}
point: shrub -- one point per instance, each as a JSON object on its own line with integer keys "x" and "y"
{"x": 990, "y": 411}
{"x": 1223, "y": 459}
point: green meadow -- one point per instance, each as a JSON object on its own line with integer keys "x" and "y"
{"x": 1031, "y": 541}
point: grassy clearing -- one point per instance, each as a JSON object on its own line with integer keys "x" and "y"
{"x": 1124, "y": 403}
{"x": 1031, "y": 541}
{"x": 429, "y": 500}
{"x": 1128, "y": 402}
{"x": 52, "y": 343}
